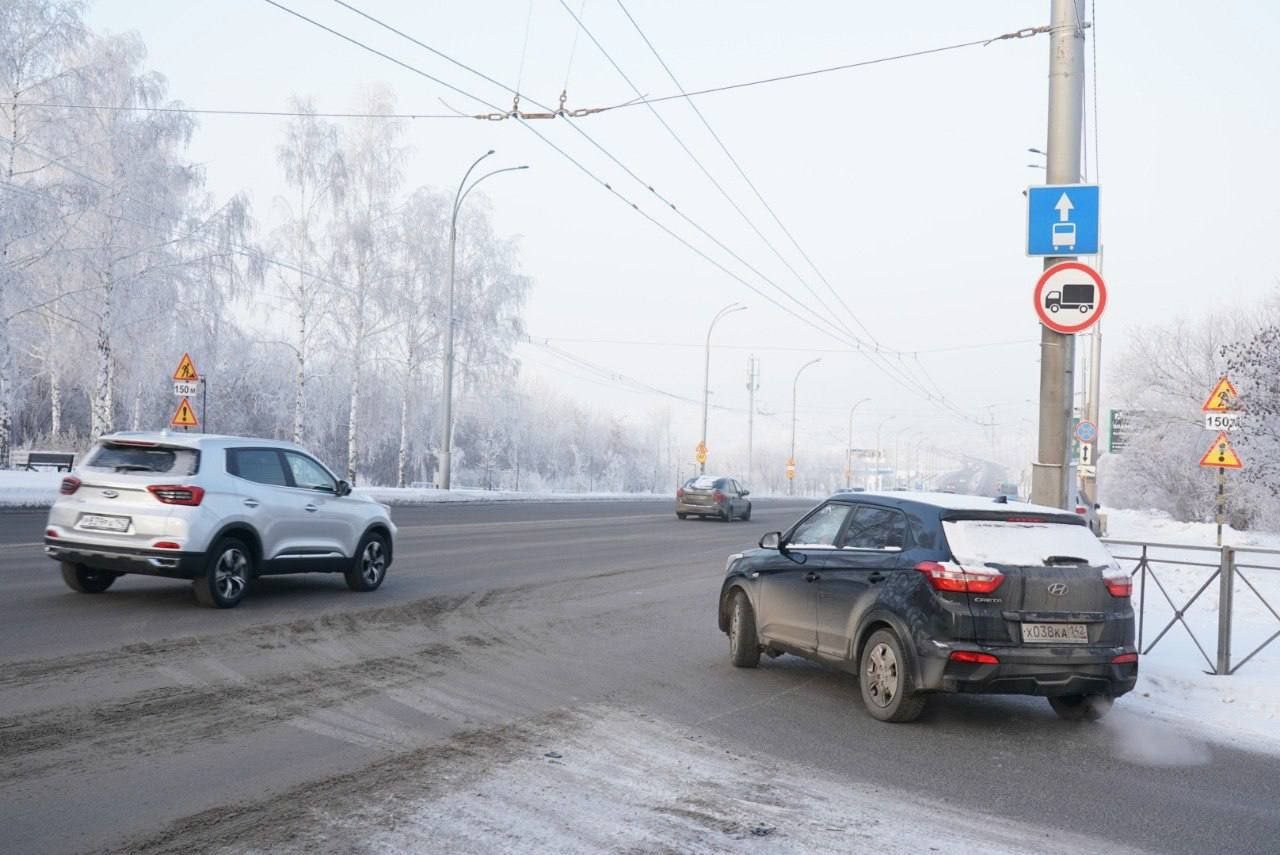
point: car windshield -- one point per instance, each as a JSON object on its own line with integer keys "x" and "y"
{"x": 1024, "y": 544}
{"x": 135, "y": 458}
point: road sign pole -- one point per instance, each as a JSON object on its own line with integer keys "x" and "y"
{"x": 204, "y": 403}
{"x": 1057, "y": 351}
{"x": 1222, "y": 500}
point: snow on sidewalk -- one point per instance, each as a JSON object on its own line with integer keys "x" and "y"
{"x": 1241, "y": 709}
{"x": 29, "y": 489}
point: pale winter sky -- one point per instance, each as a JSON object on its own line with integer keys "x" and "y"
{"x": 902, "y": 181}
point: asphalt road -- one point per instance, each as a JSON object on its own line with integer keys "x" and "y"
{"x": 135, "y": 720}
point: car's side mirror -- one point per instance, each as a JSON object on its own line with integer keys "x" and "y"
{"x": 344, "y": 488}
{"x": 746, "y": 492}
{"x": 1097, "y": 506}
{"x": 771, "y": 540}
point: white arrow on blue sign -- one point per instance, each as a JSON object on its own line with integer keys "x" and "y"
{"x": 1062, "y": 219}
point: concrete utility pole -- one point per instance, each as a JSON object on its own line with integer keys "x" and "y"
{"x": 879, "y": 454}
{"x": 753, "y": 386}
{"x": 445, "y": 475}
{"x": 795, "y": 384}
{"x": 1049, "y": 482}
{"x": 1092, "y": 401}
{"x": 706, "y": 380}
{"x": 848, "y": 455}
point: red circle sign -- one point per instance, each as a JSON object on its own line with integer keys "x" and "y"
{"x": 1070, "y": 297}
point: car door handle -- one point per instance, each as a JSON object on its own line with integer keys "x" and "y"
{"x": 876, "y": 576}
{"x": 251, "y": 503}
{"x": 312, "y": 508}
{"x": 811, "y": 576}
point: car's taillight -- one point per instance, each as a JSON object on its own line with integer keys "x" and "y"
{"x": 680, "y": 492}
{"x": 49, "y": 532}
{"x": 1124, "y": 659}
{"x": 69, "y": 485}
{"x": 944, "y": 576}
{"x": 1119, "y": 586}
{"x": 165, "y": 544}
{"x": 718, "y": 496}
{"x": 177, "y": 494}
{"x": 973, "y": 657}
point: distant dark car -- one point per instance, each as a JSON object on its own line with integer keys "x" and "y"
{"x": 929, "y": 592}
{"x": 713, "y": 496}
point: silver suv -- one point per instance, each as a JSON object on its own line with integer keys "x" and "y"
{"x": 218, "y": 510}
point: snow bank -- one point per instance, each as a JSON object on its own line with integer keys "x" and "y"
{"x": 415, "y": 496}
{"x": 1242, "y": 709}
{"x": 29, "y": 489}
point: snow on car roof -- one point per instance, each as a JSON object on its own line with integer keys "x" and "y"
{"x": 191, "y": 440}
{"x": 952, "y": 501}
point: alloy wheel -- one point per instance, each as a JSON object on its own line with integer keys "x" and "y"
{"x": 882, "y": 675}
{"x": 231, "y": 574}
{"x": 373, "y": 562}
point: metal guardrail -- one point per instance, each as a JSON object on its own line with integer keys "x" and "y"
{"x": 1226, "y": 566}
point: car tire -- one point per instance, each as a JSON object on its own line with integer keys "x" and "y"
{"x": 1081, "y": 707}
{"x": 744, "y": 643}
{"x": 86, "y": 580}
{"x": 681, "y": 516}
{"x": 227, "y": 575}
{"x": 747, "y": 516}
{"x": 726, "y": 515}
{"x": 369, "y": 567}
{"x": 885, "y": 681}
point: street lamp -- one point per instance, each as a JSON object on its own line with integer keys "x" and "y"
{"x": 706, "y": 383}
{"x": 879, "y": 474}
{"x": 446, "y": 444}
{"x": 791, "y": 482}
{"x": 848, "y": 458}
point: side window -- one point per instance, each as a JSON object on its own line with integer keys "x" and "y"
{"x": 262, "y": 465}
{"x": 735, "y": 488}
{"x": 876, "y": 528}
{"x": 309, "y": 474}
{"x": 822, "y": 528}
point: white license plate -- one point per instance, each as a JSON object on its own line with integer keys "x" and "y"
{"x": 100, "y": 522}
{"x": 1055, "y": 633}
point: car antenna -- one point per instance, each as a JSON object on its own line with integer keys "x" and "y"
{"x": 1002, "y": 500}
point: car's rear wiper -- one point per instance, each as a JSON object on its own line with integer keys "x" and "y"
{"x": 132, "y": 467}
{"x": 1054, "y": 560}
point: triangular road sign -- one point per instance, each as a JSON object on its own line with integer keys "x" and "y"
{"x": 1222, "y": 399}
{"x": 1221, "y": 454}
{"x": 186, "y": 369}
{"x": 185, "y": 416}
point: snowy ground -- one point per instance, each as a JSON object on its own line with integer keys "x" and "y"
{"x": 1241, "y": 709}
{"x": 29, "y": 489}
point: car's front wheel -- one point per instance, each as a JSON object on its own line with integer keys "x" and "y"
{"x": 744, "y": 643}
{"x": 86, "y": 580}
{"x": 370, "y": 566}
{"x": 681, "y": 516}
{"x": 1081, "y": 707}
{"x": 226, "y": 578}
{"x": 884, "y": 680}
{"x": 746, "y": 517}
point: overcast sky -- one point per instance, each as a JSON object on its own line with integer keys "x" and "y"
{"x": 901, "y": 181}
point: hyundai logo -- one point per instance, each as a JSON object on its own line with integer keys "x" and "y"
{"x": 109, "y": 494}
{"x": 1058, "y": 589}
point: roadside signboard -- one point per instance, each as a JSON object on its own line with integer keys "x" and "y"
{"x": 1119, "y": 434}
{"x": 184, "y": 416}
{"x": 791, "y": 468}
{"x": 1070, "y": 297}
{"x": 1086, "y": 431}
{"x": 1062, "y": 219}
{"x": 1221, "y": 455}
{"x": 1223, "y": 398}
{"x": 1222, "y": 421}
{"x": 185, "y": 388}
{"x": 700, "y": 453}
{"x": 186, "y": 370}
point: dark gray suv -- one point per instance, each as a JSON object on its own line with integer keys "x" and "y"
{"x": 928, "y": 593}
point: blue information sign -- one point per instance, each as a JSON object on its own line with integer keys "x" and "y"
{"x": 1062, "y": 219}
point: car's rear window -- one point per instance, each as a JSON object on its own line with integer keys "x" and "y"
{"x": 1024, "y": 544}
{"x": 145, "y": 459}
{"x": 703, "y": 482}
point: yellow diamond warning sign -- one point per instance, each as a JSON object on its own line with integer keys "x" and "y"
{"x": 1221, "y": 455}
{"x": 184, "y": 417}
{"x": 1222, "y": 399}
{"x": 186, "y": 369}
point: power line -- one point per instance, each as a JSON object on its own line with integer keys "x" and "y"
{"x": 115, "y": 108}
{"x": 783, "y": 348}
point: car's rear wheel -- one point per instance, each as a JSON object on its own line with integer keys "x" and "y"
{"x": 1081, "y": 707}
{"x": 86, "y": 580}
{"x": 681, "y": 516}
{"x": 370, "y": 565}
{"x": 226, "y": 578}
{"x": 885, "y": 682}
{"x": 744, "y": 643}
{"x": 746, "y": 517}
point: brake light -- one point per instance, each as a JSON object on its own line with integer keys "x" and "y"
{"x": 944, "y": 576}
{"x": 973, "y": 657}
{"x": 718, "y": 496}
{"x": 177, "y": 494}
{"x": 165, "y": 544}
{"x": 1124, "y": 659}
{"x": 1081, "y": 510}
{"x": 69, "y": 485}
{"x": 680, "y": 492}
{"x": 1119, "y": 586}
{"x": 48, "y": 532}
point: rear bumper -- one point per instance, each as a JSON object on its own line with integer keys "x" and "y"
{"x": 709, "y": 510}
{"x": 1050, "y": 672}
{"x": 150, "y": 562}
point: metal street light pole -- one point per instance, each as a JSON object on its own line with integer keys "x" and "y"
{"x": 791, "y": 482}
{"x": 706, "y": 381}
{"x": 848, "y": 457}
{"x": 879, "y": 474}
{"x": 446, "y": 428}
